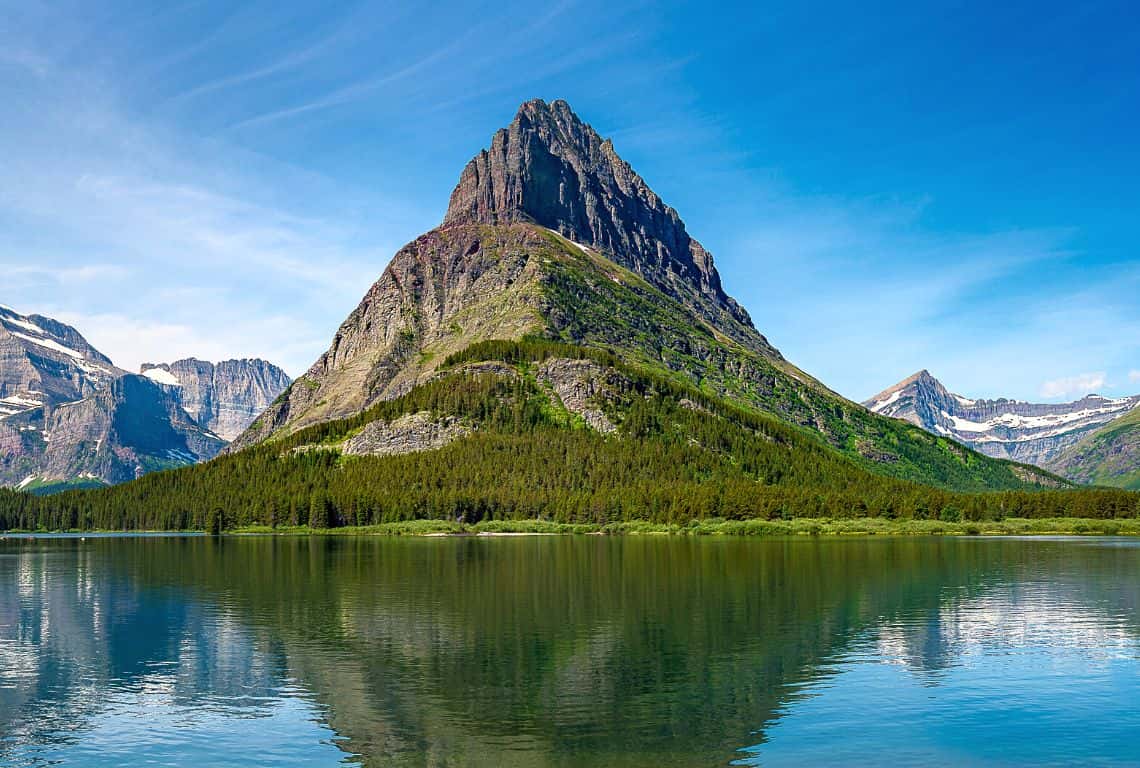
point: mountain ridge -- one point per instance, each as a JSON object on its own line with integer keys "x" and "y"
{"x": 1109, "y": 455}
{"x": 223, "y": 397}
{"x": 504, "y": 370}
{"x": 1034, "y": 433}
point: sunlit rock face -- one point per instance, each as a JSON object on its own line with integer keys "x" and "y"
{"x": 222, "y": 397}
{"x": 44, "y": 362}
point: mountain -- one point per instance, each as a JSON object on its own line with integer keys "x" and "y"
{"x": 1109, "y": 455}
{"x": 44, "y": 362}
{"x": 224, "y": 397}
{"x": 550, "y": 235}
{"x": 1034, "y": 433}
{"x": 131, "y": 427}
{"x": 70, "y": 418}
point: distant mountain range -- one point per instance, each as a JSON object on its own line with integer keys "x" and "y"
{"x": 1086, "y": 440}
{"x": 225, "y": 397}
{"x": 69, "y": 417}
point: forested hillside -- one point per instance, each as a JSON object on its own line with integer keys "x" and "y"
{"x": 520, "y": 442}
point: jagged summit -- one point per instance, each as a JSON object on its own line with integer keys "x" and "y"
{"x": 550, "y": 168}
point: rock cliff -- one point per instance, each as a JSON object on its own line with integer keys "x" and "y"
{"x": 222, "y": 397}
{"x": 44, "y": 362}
{"x": 131, "y": 427}
{"x": 550, "y": 168}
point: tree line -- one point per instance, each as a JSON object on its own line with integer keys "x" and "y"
{"x": 679, "y": 455}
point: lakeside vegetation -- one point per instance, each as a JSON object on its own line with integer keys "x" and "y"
{"x": 801, "y": 526}
{"x": 865, "y": 526}
{"x": 680, "y": 457}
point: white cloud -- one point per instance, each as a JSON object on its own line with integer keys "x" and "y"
{"x": 131, "y": 341}
{"x": 1074, "y": 386}
{"x": 1134, "y": 376}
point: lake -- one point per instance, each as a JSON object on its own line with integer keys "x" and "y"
{"x": 568, "y": 651}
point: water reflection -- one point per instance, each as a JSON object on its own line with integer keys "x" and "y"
{"x": 99, "y": 668}
{"x": 564, "y": 651}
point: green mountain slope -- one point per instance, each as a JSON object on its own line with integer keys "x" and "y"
{"x": 1109, "y": 456}
{"x": 536, "y": 430}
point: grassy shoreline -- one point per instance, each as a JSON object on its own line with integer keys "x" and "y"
{"x": 796, "y": 527}
{"x": 829, "y": 527}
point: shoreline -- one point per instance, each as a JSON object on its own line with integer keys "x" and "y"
{"x": 798, "y": 527}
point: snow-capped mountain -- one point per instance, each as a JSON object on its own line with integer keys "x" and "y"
{"x": 69, "y": 416}
{"x": 1034, "y": 433}
{"x": 44, "y": 362}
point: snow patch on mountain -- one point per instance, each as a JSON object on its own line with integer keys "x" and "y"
{"x": 49, "y": 343}
{"x": 880, "y": 405}
{"x": 162, "y": 376}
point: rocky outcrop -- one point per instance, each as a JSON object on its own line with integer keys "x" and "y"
{"x": 442, "y": 292}
{"x": 1032, "y": 433}
{"x": 582, "y": 386}
{"x": 408, "y": 434}
{"x": 224, "y": 397}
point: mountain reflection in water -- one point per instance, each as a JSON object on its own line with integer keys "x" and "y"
{"x": 567, "y": 651}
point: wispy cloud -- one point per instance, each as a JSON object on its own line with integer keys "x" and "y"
{"x": 1074, "y": 386}
{"x": 1134, "y": 376}
{"x": 21, "y": 274}
{"x": 342, "y": 32}
{"x": 861, "y": 294}
{"x": 358, "y": 90}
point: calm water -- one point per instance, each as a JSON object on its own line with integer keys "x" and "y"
{"x": 568, "y": 652}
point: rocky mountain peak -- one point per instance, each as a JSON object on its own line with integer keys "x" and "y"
{"x": 550, "y": 168}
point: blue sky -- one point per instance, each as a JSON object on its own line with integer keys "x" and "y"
{"x": 885, "y": 186}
